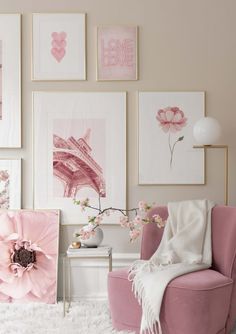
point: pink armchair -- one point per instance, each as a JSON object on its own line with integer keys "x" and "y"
{"x": 202, "y": 302}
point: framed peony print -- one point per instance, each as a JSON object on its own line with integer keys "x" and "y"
{"x": 29, "y": 255}
{"x": 80, "y": 153}
{"x": 10, "y": 184}
{"x": 166, "y": 153}
{"x": 10, "y": 80}
{"x": 117, "y": 55}
{"x": 58, "y": 46}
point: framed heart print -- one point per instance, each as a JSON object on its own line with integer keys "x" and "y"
{"x": 58, "y": 46}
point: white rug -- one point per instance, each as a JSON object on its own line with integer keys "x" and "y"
{"x": 83, "y": 318}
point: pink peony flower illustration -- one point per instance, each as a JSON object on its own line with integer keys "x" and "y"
{"x": 171, "y": 120}
{"x": 28, "y": 255}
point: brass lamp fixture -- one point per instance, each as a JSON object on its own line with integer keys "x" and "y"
{"x": 206, "y": 132}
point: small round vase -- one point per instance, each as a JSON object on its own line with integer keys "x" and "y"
{"x": 95, "y": 240}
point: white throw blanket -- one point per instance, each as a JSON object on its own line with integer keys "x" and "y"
{"x": 185, "y": 247}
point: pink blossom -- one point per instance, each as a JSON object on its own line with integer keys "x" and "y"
{"x": 86, "y": 232}
{"x": 137, "y": 220}
{"x": 134, "y": 234}
{"x": 143, "y": 206}
{"x": 130, "y": 224}
{"x": 4, "y": 175}
{"x": 159, "y": 221}
{"x": 102, "y": 192}
{"x": 84, "y": 204}
{"x": 98, "y": 219}
{"x": 171, "y": 119}
{"x": 124, "y": 221}
{"x": 28, "y": 256}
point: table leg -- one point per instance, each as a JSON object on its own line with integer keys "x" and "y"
{"x": 69, "y": 283}
{"x": 64, "y": 285}
{"x": 110, "y": 262}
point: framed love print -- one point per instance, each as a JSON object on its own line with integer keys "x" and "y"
{"x": 117, "y": 57}
{"x": 80, "y": 153}
{"x": 166, "y": 153}
{"x": 10, "y": 80}
{"x": 58, "y": 46}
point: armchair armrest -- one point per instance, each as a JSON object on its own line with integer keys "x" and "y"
{"x": 152, "y": 234}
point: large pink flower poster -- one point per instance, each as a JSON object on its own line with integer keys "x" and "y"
{"x": 29, "y": 255}
{"x": 166, "y": 153}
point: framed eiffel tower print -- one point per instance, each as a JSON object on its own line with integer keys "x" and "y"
{"x": 79, "y": 151}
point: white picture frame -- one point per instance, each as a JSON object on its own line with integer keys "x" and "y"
{"x": 10, "y": 184}
{"x": 166, "y": 153}
{"x": 97, "y": 121}
{"x": 59, "y": 46}
{"x": 10, "y": 80}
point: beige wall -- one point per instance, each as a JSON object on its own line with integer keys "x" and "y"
{"x": 183, "y": 45}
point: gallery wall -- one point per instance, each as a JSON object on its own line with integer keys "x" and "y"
{"x": 184, "y": 45}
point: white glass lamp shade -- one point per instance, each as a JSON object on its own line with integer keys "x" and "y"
{"x": 207, "y": 131}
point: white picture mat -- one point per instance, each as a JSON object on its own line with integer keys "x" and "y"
{"x": 13, "y": 166}
{"x": 153, "y": 141}
{"x": 10, "y": 125}
{"x": 73, "y": 105}
{"x": 72, "y": 66}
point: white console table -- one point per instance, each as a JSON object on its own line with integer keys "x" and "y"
{"x": 102, "y": 252}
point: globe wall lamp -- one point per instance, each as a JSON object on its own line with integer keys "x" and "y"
{"x": 207, "y": 131}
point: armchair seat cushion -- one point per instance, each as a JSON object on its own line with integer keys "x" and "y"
{"x": 197, "y": 303}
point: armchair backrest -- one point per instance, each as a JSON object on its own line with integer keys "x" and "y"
{"x": 223, "y": 238}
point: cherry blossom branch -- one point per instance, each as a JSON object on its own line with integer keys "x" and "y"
{"x": 134, "y": 225}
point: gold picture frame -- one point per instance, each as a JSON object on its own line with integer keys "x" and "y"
{"x": 64, "y": 59}
{"x": 124, "y": 49}
{"x": 199, "y": 112}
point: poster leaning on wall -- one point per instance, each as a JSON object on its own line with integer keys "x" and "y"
{"x": 29, "y": 255}
{"x": 166, "y": 153}
{"x": 79, "y": 151}
{"x": 10, "y": 80}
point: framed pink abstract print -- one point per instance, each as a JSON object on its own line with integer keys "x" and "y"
{"x": 80, "y": 151}
{"x": 10, "y": 184}
{"x": 117, "y": 57}
{"x": 29, "y": 255}
{"x": 166, "y": 153}
{"x": 58, "y": 46}
{"x": 10, "y": 80}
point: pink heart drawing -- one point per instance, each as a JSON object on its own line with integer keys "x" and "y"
{"x": 58, "y": 54}
{"x": 59, "y": 35}
{"x": 58, "y": 45}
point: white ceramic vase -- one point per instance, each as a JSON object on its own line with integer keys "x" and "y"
{"x": 95, "y": 240}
